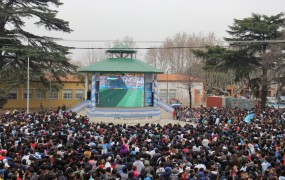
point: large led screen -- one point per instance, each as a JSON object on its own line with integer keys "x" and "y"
{"x": 121, "y": 90}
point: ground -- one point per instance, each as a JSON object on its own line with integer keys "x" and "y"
{"x": 165, "y": 119}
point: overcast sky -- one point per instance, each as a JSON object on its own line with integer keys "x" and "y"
{"x": 154, "y": 20}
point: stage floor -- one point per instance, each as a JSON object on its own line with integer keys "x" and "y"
{"x": 124, "y": 113}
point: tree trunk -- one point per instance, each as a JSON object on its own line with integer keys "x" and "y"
{"x": 264, "y": 87}
{"x": 2, "y": 25}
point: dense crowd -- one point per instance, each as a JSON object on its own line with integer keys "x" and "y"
{"x": 62, "y": 145}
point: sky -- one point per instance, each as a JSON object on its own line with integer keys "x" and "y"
{"x": 151, "y": 20}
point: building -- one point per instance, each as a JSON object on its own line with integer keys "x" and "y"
{"x": 71, "y": 93}
{"x": 177, "y": 87}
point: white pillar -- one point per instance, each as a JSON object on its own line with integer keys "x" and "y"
{"x": 93, "y": 91}
{"x": 155, "y": 91}
{"x": 86, "y": 86}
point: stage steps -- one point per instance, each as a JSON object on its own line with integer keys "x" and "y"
{"x": 164, "y": 114}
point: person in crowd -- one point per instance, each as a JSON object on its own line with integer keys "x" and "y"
{"x": 63, "y": 145}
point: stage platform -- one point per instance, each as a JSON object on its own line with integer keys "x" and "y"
{"x": 147, "y": 114}
{"x": 129, "y": 115}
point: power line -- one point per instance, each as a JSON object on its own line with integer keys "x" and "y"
{"x": 146, "y": 41}
{"x": 146, "y": 48}
{"x": 77, "y": 40}
{"x": 85, "y": 48}
{"x": 175, "y": 47}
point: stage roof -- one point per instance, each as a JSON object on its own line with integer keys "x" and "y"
{"x": 121, "y": 48}
{"x": 121, "y": 65}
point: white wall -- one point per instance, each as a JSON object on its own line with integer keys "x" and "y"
{"x": 181, "y": 91}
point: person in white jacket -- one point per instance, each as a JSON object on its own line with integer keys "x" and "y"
{"x": 139, "y": 164}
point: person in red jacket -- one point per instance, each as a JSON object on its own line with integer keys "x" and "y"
{"x": 174, "y": 114}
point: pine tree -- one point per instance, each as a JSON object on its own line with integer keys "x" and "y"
{"x": 248, "y": 46}
{"x": 17, "y": 44}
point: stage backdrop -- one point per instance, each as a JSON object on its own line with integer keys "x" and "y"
{"x": 121, "y": 90}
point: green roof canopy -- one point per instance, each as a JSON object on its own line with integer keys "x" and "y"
{"x": 121, "y": 48}
{"x": 121, "y": 65}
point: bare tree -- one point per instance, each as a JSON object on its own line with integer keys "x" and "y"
{"x": 95, "y": 55}
{"x": 274, "y": 60}
{"x": 193, "y": 74}
{"x": 216, "y": 83}
{"x": 175, "y": 53}
{"x": 128, "y": 41}
{"x": 3, "y": 97}
{"x": 152, "y": 57}
{"x": 92, "y": 56}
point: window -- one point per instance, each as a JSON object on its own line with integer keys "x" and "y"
{"x": 40, "y": 94}
{"x": 25, "y": 94}
{"x": 53, "y": 94}
{"x": 172, "y": 93}
{"x": 79, "y": 94}
{"x": 13, "y": 94}
{"x": 67, "y": 94}
{"x": 163, "y": 94}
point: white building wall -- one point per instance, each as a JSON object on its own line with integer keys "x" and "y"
{"x": 181, "y": 91}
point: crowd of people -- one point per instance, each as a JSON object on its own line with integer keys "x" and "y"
{"x": 52, "y": 145}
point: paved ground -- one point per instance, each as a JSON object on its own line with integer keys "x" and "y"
{"x": 164, "y": 120}
{"x": 142, "y": 122}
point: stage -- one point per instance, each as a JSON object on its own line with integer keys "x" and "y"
{"x": 122, "y": 88}
{"x": 146, "y": 114}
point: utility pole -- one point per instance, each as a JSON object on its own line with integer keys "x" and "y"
{"x": 28, "y": 84}
{"x": 167, "y": 98}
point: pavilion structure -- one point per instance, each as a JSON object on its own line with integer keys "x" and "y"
{"x": 122, "y": 87}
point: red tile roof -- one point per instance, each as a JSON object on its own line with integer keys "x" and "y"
{"x": 70, "y": 78}
{"x": 160, "y": 78}
{"x": 176, "y": 77}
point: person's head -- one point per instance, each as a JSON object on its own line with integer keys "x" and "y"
{"x": 125, "y": 169}
{"x": 273, "y": 171}
{"x": 130, "y": 174}
{"x": 146, "y": 163}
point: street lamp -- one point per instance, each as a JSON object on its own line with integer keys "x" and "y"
{"x": 278, "y": 90}
{"x": 28, "y": 84}
{"x": 277, "y": 83}
{"x": 167, "y": 85}
{"x": 50, "y": 94}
